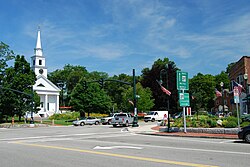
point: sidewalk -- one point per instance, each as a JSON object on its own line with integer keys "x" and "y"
{"x": 154, "y": 130}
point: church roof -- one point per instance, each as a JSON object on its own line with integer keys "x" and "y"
{"x": 43, "y": 84}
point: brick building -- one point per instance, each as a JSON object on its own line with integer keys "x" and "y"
{"x": 239, "y": 72}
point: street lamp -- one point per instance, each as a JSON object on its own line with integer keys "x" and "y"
{"x": 246, "y": 83}
{"x": 161, "y": 81}
{"x": 222, "y": 96}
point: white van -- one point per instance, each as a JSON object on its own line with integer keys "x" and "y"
{"x": 156, "y": 116}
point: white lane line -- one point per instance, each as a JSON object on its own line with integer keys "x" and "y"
{"x": 55, "y": 136}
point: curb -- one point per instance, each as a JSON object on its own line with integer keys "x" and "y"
{"x": 190, "y": 135}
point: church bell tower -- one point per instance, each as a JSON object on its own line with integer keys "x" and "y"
{"x": 38, "y": 60}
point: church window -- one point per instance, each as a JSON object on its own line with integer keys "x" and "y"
{"x": 40, "y": 62}
{"x": 41, "y": 85}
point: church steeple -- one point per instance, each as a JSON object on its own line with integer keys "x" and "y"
{"x": 38, "y": 49}
{"x": 38, "y": 60}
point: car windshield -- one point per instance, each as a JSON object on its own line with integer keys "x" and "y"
{"x": 151, "y": 113}
{"x": 121, "y": 115}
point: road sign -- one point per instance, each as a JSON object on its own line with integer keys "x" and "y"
{"x": 182, "y": 80}
{"x": 236, "y": 95}
{"x": 184, "y": 99}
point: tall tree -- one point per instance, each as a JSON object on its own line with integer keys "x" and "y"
{"x": 5, "y": 55}
{"x": 164, "y": 70}
{"x": 116, "y": 89}
{"x": 202, "y": 88}
{"x": 90, "y": 99}
{"x": 22, "y": 78}
{"x": 66, "y": 79}
{"x": 145, "y": 101}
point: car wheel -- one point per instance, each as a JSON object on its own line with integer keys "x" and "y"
{"x": 153, "y": 120}
{"x": 127, "y": 124}
{"x": 109, "y": 122}
{"x": 82, "y": 124}
{"x": 247, "y": 137}
{"x": 96, "y": 123}
{"x": 145, "y": 121}
{"x": 114, "y": 125}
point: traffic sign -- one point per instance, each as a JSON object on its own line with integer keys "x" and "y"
{"x": 182, "y": 80}
{"x": 184, "y": 99}
{"x": 236, "y": 95}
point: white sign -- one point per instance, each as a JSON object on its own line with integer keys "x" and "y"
{"x": 236, "y": 95}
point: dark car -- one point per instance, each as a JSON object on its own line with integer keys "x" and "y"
{"x": 245, "y": 134}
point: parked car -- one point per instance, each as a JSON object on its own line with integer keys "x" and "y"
{"x": 244, "y": 134}
{"x": 124, "y": 119}
{"x": 87, "y": 121}
{"x": 155, "y": 116}
{"x": 107, "y": 120}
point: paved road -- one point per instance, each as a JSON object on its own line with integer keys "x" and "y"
{"x": 102, "y": 146}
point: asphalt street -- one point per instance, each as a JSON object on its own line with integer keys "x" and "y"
{"x": 102, "y": 146}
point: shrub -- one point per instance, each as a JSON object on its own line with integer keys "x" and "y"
{"x": 230, "y": 124}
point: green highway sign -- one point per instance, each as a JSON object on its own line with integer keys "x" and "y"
{"x": 184, "y": 99}
{"x": 182, "y": 80}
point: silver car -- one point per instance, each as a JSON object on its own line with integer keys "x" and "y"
{"x": 87, "y": 121}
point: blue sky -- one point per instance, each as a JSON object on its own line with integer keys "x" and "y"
{"x": 115, "y": 36}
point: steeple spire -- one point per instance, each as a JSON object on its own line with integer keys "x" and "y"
{"x": 38, "y": 49}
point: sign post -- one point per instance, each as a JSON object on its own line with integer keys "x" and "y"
{"x": 182, "y": 84}
{"x": 237, "y": 100}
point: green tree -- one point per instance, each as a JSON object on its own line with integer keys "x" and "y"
{"x": 20, "y": 78}
{"x": 116, "y": 89}
{"x": 5, "y": 55}
{"x": 145, "y": 102}
{"x": 66, "y": 79}
{"x": 222, "y": 77}
{"x": 93, "y": 99}
{"x": 202, "y": 88}
{"x": 164, "y": 70}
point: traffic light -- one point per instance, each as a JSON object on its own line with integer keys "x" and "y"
{"x": 101, "y": 82}
{"x": 85, "y": 86}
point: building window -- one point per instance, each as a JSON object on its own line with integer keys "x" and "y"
{"x": 40, "y": 62}
{"x": 47, "y": 106}
{"x": 34, "y": 62}
{"x": 41, "y": 105}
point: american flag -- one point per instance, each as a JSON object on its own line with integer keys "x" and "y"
{"x": 240, "y": 87}
{"x": 218, "y": 93}
{"x": 165, "y": 91}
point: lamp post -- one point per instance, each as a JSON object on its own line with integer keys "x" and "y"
{"x": 246, "y": 83}
{"x": 161, "y": 73}
{"x": 135, "y": 122}
{"x": 222, "y": 96}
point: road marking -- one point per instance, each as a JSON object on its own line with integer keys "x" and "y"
{"x": 118, "y": 155}
{"x": 174, "y": 148}
{"x": 115, "y": 147}
{"x": 54, "y": 136}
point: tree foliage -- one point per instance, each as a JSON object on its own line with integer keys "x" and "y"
{"x": 93, "y": 99}
{"x": 145, "y": 99}
{"x": 164, "y": 70}
{"x": 202, "y": 88}
{"x": 17, "y": 94}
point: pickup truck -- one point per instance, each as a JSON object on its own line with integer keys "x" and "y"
{"x": 123, "y": 119}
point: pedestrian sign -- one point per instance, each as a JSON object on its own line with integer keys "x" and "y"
{"x": 182, "y": 80}
{"x": 184, "y": 99}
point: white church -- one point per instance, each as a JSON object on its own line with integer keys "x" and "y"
{"x": 47, "y": 91}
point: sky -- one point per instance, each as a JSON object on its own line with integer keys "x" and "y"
{"x": 116, "y": 36}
